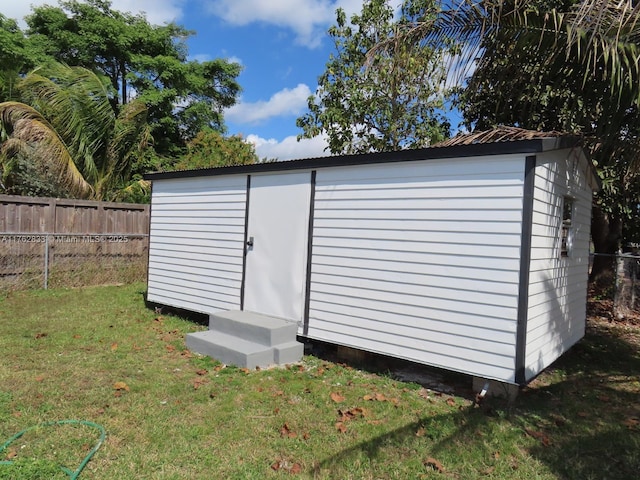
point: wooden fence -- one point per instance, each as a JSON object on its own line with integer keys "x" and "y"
{"x": 62, "y": 242}
{"x": 53, "y": 215}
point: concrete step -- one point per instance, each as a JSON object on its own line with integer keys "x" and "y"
{"x": 288, "y": 352}
{"x": 254, "y": 327}
{"x": 248, "y": 340}
{"x": 230, "y": 349}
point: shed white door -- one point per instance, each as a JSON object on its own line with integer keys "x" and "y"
{"x": 278, "y": 227}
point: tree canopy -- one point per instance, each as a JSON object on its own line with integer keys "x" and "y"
{"x": 389, "y": 100}
{"x": 92, "y": 98}
{"x": 211, "y": 149}
{"x": 564, "y": 65}
{"x": 67, "y": 132}
{"x": 142, "y": 61}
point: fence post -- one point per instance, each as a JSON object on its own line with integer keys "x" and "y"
{"x": 46, "y": 261}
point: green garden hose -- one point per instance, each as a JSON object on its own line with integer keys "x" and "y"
{"x": 73, "y": 474}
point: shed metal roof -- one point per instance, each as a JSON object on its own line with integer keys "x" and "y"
{"x": 468, "y": 145}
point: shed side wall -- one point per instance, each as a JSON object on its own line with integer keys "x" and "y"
{"x": 196, "y": 242}
{"x": 421, "y": 261}
{"x": 557, "y": 284}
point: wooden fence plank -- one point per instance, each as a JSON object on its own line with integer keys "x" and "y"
{"x": 19, "y": 214}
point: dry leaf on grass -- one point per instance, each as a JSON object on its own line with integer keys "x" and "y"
{"x": 120, "y": 386}
{"x": 286, "y": 432}
{"x": 198, "y": 382}
{"x": 336, "y": 397}
{"x": 352, "y": 413}
{"x": 12, "y": 453}
{"x": 544, "y": 439}
{"x": 435, "y": 464}
{"x": 284, "y": 465}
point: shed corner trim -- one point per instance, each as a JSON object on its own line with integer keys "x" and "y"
{"x": 525, "y": 265}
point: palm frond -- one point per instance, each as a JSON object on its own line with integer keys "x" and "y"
{"x": 77, "y": 102}
{"x": 602, "y": 37}
{"x": 28, "y": 128}
{"x": 498, "y": 134}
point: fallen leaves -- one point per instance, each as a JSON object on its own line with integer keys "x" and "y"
{"x": 352, "y": 413}
{"x": 199, "y": 381}
{"x": 346, "y": 415}
{"x": 544, "y": 439}
{"x": 379, "y": 397}
{"x": 286, "y": 432}
{"x": 336, "y": 397}
{"x": 632, "y": 423}
{"x": 286, "y": 466}
{"x": 120, "y": 387}
{"x": 434, "y": 464}
{"x": 11, "y": 454}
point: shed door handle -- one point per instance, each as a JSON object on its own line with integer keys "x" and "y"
{"x": 250, "y": 242}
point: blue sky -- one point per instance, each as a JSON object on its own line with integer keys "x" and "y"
{"x": 281, "y": 44}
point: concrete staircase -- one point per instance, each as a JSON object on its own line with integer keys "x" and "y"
{"x": 248, "y": 340}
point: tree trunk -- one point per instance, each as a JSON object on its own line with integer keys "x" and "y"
{"x": 606, "y": 232}
{"x": 123, "y": 82}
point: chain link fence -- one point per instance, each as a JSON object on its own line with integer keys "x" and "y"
{"x": 626, "y": 300}
{"x": 619, "y": 286}
{"x": 35, "y": 260}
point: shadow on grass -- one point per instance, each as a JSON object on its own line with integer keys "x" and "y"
{"x": 195, "y": 317}
{"x": 580, "y": 419}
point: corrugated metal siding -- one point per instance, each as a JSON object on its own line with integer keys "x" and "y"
{"x": 197, "y": 240}
{"x": 421, "y": 261}
{"x": 557, "y": 285}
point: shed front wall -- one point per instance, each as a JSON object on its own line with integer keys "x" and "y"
{"x": 421, "y": 260}
{"x": 196, "y": 243}
{"x": 557, "y": 284}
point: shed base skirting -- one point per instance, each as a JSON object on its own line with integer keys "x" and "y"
{"x": 248, "y": 340}
{"x": 495, "y": 388}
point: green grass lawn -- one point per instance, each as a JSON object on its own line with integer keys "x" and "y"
{"x": 98, "y": 354}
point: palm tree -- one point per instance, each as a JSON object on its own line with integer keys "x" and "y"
{"x": 564, "y": 65}
{"x": 66, "y": 126}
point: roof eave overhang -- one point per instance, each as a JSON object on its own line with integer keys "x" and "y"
{"x": 526, "y": 147}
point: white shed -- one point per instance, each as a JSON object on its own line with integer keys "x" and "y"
{"x": 472, "y": 258}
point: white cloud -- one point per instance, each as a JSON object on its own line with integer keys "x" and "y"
{"x": 308, "y": 19}
{"x": 157, "y": 12}
{"x": 283, "y": 103}
{"x": 203, "y": 57}
{"x": 289, "y": 148}
{"x": 234, "y": 59}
